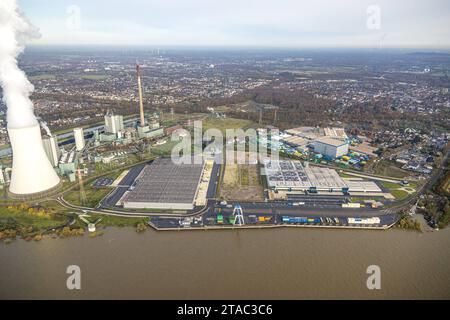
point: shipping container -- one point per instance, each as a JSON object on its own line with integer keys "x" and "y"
{"x": 294, "y": 219}
{"x": 374, "y": 220}
{"x": 351, "y": 205}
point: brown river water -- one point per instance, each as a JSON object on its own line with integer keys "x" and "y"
{"x": 245, "y": 264}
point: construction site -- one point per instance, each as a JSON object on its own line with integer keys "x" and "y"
{"x": 241, "y": 183}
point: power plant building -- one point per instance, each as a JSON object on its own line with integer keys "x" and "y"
{"x": 108, "y": 137}
{"x": 113, "y": 123}
{"x": 146, "y": 132}
{"x": 68, "y": 164}
{"x": 52, "y": 150}
{"x": 32, "y": 173}
{"x": 79, "y": 138}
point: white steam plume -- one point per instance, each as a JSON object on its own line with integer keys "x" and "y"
{"x": 14, "y": 31}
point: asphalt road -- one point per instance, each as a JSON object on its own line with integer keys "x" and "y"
{"x": 212, "y": 188}
{"x": 274, "y": 217}
{"x": 111, "y": 200}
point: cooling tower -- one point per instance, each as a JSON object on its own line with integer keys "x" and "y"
{"x": 32, "y": 172}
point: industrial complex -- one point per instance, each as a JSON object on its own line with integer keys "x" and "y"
{"x": 32, "y": 172}
{"x": 300, "y": 192}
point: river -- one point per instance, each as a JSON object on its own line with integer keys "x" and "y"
{"x": 257, "y": 264}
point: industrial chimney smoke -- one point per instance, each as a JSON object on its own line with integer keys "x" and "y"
{"x": 32, "y": 172}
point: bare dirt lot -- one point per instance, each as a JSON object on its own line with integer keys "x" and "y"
{"x": 241, "y": 182}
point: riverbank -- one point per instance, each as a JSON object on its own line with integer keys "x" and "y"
{"x": 51, "y": 220}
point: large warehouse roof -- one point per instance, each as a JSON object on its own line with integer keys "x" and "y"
{"x": 331, "y": 142}
{"x": 292, "y": 174}
{"x": 314, "y": 133}
{"x": 285, "y": 174}
{"x": 166, "y": 182}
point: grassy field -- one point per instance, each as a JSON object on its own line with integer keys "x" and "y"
{"x": 388, "y": 169}
{"x": 110, "y": 221}
{"x": 399, "y": 194}
{"x": 93, "y": 196}
{"x": 399, "y": 191}
{"x": 390, "y": 185}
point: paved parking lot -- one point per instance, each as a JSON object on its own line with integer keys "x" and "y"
{"x": 126, "y": 182}
{"x": 102, "y": 182}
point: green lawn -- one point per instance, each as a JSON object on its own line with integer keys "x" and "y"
{"x": 109, "y": 221}
{"x": 93, "y": 196}
{"x": 399, "y": 194}
{"x": 390, "y": 185}
{"x": 389, "y": 169}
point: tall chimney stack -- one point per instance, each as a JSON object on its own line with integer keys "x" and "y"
{"x": 141, "y": 103}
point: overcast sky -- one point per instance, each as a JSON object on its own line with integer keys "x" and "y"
{"x": 270, "y": 23}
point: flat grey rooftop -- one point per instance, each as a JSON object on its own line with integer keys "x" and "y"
{"x": 284, "y": 173}
{"x": 166, "y": 182}
{"x": 292, "y": 174}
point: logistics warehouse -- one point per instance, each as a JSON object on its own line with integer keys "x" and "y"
{"x": 165, "y": 185}
{"x": 292, "y": 176}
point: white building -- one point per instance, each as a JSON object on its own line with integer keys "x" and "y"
{"x": 32, "y": 172}
{"x": 331, "y": 147}
{"x": 51, "y": 149}
{"x": 79, "y": 138}
{"x": 2, "y": 177}
{"x": 113, "y": 123}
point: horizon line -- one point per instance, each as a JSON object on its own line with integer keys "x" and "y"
{"x": 265, "y": 47}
